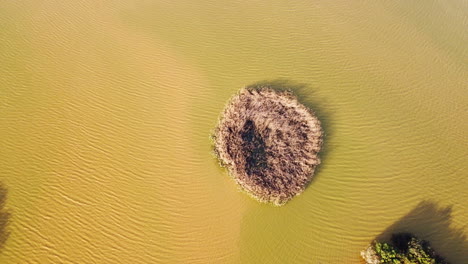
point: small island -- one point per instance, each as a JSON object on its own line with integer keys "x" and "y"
{"x": 269, "y": 142}
{"x": 403, "y": 248}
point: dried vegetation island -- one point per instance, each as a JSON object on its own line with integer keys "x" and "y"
{"x": 269, "y": 142}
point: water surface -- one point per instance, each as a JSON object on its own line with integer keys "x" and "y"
{"x": 106, "y": 109}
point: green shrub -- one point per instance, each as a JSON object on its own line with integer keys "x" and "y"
{"x": 404, "y": 248}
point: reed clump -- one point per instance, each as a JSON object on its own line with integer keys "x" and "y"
{"x": 269, "y": 142}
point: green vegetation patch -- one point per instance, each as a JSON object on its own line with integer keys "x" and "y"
{"x": 404, "y": 248}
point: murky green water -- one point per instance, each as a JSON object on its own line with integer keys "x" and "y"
{"x": 106, "y": 110}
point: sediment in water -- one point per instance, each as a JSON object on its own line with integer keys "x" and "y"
{"x": 269, "y": 142}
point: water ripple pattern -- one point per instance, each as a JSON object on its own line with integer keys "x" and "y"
{"x": 106, "y": 108}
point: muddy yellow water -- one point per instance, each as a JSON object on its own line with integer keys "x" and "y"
{"x": 106, "y": 109}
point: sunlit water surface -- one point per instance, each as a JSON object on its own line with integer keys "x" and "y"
{"x": 106, "y": 108}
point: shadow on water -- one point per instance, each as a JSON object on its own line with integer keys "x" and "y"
{"x": 308, "y": 97}
{"x": 4, "y": 217}
{"x": 432, "y": 223}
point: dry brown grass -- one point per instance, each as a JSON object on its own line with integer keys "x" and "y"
{"x": 4, "y": 217}
{"x": 269, "y": 143}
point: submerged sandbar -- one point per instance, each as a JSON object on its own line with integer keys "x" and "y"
{"x": 269, "y": 142}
